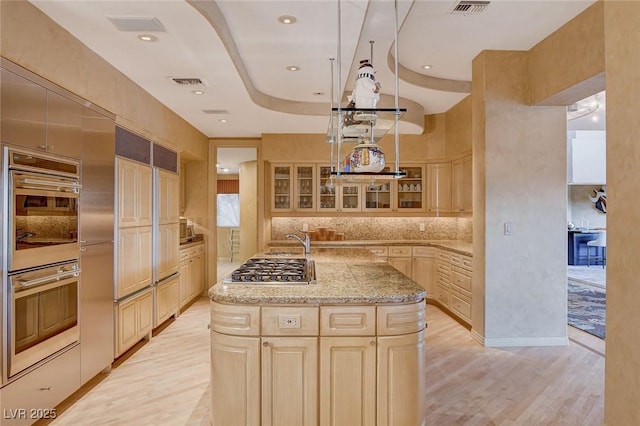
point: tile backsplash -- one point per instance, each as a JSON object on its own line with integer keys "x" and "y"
{"x": 380, "y": 228}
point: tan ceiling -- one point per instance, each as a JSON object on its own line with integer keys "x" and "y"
{"x": 241, "y": 51}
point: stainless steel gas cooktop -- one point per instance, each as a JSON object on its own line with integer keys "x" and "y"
{"x": 274, "y": 271}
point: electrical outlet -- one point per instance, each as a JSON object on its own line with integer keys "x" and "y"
{"x": 305, "y": 227}
{"x": 289, "y": 321}
{"x": 421, "y": 227}
{"x": 508, "y": 228}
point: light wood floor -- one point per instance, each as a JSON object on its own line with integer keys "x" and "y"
{"x": 166, "y": 381}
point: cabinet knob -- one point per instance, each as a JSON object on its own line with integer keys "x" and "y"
{"x": 265, "y": 344}
{"x": 372, "y": 343}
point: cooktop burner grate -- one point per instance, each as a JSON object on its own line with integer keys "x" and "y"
{"x": 272, "y": 270}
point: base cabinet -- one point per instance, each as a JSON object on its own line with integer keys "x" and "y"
{"x": 339, "y": 365}
{"x": 289, "y": 381}
{"x": 191, "y": 267}
{"x": 167, "y": 301}
{"x": 134, "y": 321}
{"x": 347, "y": 380}
{"x": 423, "y": 269}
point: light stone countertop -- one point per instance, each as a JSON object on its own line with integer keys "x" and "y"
{"x": 457, "y": 246}
{"x": 344, "y": 276}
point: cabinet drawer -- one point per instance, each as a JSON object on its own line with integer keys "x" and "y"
{"x": 289, "y": 321}
{"x": 43, "y": 388}
{"x": 461, "y": 279}
{"x": 380, "y": 251}
{"x": 445, "y": 256}
{"x": 347, "y": 320}
{"x": 400, "y": 319}
{"x": 461, "y": 293}
{"x": 443, "y": 280}
{"x": 462, "y": 261}
{"x": 461, "y": 307}
{"x": 419, "y": 251}
{"x": 399, "y": 251}
{"x": 235, "y": 319}
{"x": 443, "y": 295}
{"x": 187, "y": 253}
{"x": 443, "y": 268}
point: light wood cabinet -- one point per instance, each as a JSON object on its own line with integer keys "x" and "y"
{"x": 191, "y": 278}
{"x": 168, "y": 197}
{"x": 134, "y": 260}
{"x": 289, "y": 381}
{"x": 134, "y": 320}
{"x": 423, "y": 268}
{"x": 453, "y": 278}
{"x": 304, "y": 187}
{"x": 347, "y": 380}
{"x": 235, "y": 380}
{"x": 410, "y": 195}
{"x": 167, "y": 301}
{"x": 281, "y": 187}
{"x": 401, "y": 393}
{"x": 167, "y": 247}
{"x": 274, "y": 365}
{"x": 134, "y": 193}
{"x": 439, "y": 187}
{"x": 400, "y": 258}
{"x": 461, "y": 185}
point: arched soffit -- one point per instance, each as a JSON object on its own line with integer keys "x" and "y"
{"x": 210, "y": 11}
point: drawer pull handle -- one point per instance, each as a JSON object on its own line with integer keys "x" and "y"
{"x": 48, "y": 388}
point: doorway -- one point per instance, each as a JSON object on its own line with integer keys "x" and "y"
{"x": 235, "y": 216}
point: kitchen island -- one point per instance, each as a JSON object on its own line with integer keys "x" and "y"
{"x": 347, "y": 350}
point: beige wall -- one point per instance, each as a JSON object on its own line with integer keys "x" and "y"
{"x": 458, "y": 128}
{"x": 622, "y": 371}
{"x": 569, "y": 64}
{"x": 522, "y": 290}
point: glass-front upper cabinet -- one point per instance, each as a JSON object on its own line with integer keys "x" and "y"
{"x": 411, "y": 191}
{"x": 350, "y": 196}
{"x": 281, "y": 187}
{"x": 378, "y": 195}
{"x": 305, "y": 184}
{"x": 327, "y": 194}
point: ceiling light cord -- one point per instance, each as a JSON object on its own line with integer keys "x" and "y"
{"x": 396, "y": 98}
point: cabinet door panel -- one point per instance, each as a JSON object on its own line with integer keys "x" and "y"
{"x": 184, "y": 288}
{"x": 439, "y": 187}
{"x": 168, "y": 248}
{"x": 24, "y": 111}
{"x": 64, "y": 125}
{"x": 423, "y": 272}
{"x": 289, "y": 381}
{"x": 168, "y": 197}
{"x": 235, "y": 380}
{"x": 196, "y": 276}
{"x": 127, "y": 199}
{"x": 144, "y": 194}
{"x": 127, "y": 326}
{"x": 347, "y": 380}
{"x": 281, "y": 187}
{"x": 401, "y": 370}
{"x": 145, "y": 314}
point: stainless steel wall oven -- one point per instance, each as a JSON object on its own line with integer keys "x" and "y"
{"x": 43, "y": 313}
{"x": 43, "y": 208}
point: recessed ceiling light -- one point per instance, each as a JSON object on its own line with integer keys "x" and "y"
{"x": 225, "y": 170}
{"x": 223, "y": 120}
{"x": 293, "y": 68}
{"x": 427, "y": 67}
{"x": 595, "y": 118}
{"x": 198, "y": 92}
{"x": 147, "y": 37}
{"x": 287, "y": 19}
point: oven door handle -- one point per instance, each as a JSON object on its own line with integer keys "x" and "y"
{"x": 49, "y": 183}
{"x": 56, "y": 277}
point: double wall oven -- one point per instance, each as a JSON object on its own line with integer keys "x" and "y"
{"x": 42, "y": 252}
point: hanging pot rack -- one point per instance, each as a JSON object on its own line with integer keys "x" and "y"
{"x": 363, "y": 125}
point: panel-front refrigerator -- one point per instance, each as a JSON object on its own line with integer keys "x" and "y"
{"x": 96, "y": 242}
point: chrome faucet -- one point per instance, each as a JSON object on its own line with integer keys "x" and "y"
{"x": 306, "y": 243}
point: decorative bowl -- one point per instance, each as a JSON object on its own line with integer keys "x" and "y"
{"x": 366, "y": 157}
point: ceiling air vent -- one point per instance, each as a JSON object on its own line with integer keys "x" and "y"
{"x": 189, "y": 81}
{"x": 469, "y": 7}
{"x": 143, "y": 24}
{"x": 215, "y": 111}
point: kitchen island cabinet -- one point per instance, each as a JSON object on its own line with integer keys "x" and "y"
{"x": 347, "y": 350}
